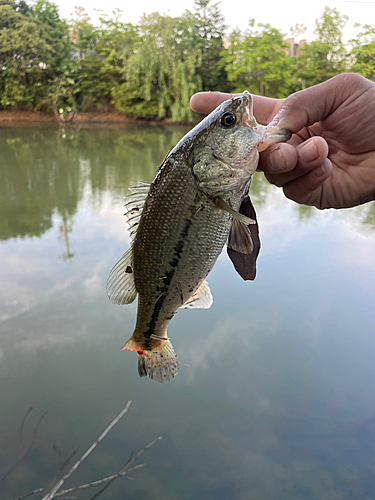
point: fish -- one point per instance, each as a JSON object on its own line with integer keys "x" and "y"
{"x": 179, "y": 224}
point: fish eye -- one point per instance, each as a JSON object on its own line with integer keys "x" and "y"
{"x": 228, "y": 119}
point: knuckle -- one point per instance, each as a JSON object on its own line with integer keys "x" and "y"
{"x": 348, "y": 82}
{"x": 292, "y": 101}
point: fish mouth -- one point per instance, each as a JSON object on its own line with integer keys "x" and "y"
{"x": 247, "y": 101}
{"x": 266, "y": 135}
{"x": 248, "y": 116}
{"x": 270, "y": 135}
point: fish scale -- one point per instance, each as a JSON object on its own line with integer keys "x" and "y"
{"x": 191, "y": 236}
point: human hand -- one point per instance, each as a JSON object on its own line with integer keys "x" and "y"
{"x": 330, "y": 160}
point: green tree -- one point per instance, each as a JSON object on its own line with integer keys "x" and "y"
{"x": 96, "y": 64}
{"x": 32, "y": 45}
{"x": 48, "y": 14}
{"x": 112, "y": 51}
{"x": 210, "y": 30}
{"x": 60, "y": 83}
{"x": 363, "y": 53}
{"x": 82, "y": 33}
{"x": 297, "y": 30}
{"x": 161, "y": 72}
{"x": 258, "y": 61}
{"x": 325, "y": 57}
{"x": 81, "y": 66}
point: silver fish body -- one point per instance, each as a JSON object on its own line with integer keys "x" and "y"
{"x": 181, "y": 223}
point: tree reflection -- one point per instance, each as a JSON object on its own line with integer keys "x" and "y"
{"x": 38, "y": 177}
{"x": 64, "y": 229}
{"x": 47, "y": 170}
{"x": 45, "y": 173}
{"x": 260, "y": 190}
{"x": 369, "y": 216}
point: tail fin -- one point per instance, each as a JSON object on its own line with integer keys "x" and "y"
{"x": 156, "y": 358}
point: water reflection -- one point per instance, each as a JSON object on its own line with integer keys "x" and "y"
{"x": 64, "y": 229}
{"x": 44, "y": 171}
{"x": 275, "y": 396}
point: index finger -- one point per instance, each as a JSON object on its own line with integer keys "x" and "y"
{"x": 265, "y": 108}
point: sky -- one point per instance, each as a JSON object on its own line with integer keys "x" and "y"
{"x": 280, "y": 14}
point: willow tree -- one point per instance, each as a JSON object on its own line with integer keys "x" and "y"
{"x": 258, "y": 61}
{"x": 160, "y": 74}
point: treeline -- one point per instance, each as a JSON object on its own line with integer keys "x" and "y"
{"x": 151, "y": 69}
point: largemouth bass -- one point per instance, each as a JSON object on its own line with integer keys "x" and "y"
{"x": 180, "y": 222}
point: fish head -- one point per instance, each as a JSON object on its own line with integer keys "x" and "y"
{"x": 227, "y": 146}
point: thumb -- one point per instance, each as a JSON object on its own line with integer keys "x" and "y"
{"x": 311, "y": 105}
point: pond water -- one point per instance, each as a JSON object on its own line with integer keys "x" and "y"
{"x": 275, "y": 397}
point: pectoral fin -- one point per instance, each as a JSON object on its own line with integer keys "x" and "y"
{"x": 220, "y": 203}
{"x": 244, "y": 243}
{"x": 240, "y": 238}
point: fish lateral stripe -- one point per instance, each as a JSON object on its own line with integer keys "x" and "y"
{"x": 169, "y": 275}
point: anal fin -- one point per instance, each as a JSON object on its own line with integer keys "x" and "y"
{"x": 201, "y": 299}
{"x": 120, "y": 284}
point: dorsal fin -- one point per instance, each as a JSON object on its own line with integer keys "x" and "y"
{"x": 120, "y": 284}
{"x": 134, "y": 204}
{"x": 201, "y": 299}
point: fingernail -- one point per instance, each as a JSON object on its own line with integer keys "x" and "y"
{"x": 317, "y": 172}
{"x": 308, "y": 152}
{"x": 276, "y": 160}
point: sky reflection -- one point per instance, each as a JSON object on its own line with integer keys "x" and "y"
{"x": 275, "y": 395}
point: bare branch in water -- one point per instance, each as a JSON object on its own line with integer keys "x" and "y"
{"x": 58, "y": 485}
{"x": 125, "y": 470}
{"x": 22, "y": 425}
{"x": 37, "y": 426}
{"x": 31, "y": 493}
{"x": 54, "y": 493}
{"x": 98, "y": 482}
{"x": 30, "y": 445}
{"x": 57, "y": 451}
{"x": 68, "y": 460}
{"x": 60, "y": 463}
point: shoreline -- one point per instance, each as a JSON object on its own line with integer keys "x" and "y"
{"x": 26, "y": 117}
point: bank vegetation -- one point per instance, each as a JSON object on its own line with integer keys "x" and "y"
{"x": 151, "y": 69}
